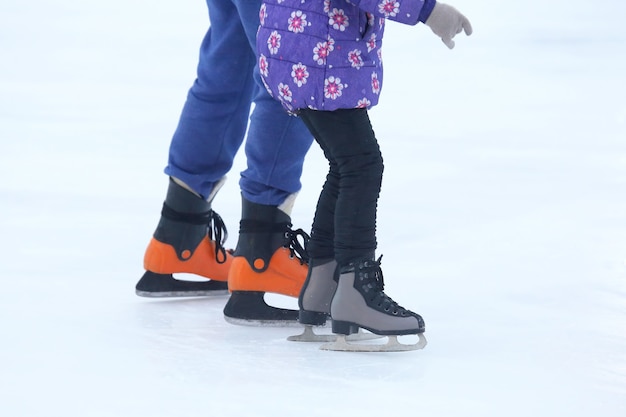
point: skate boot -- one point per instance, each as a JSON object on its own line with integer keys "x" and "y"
{"x": 268, "y": 258}
{"x": 188, "y": 239}
{"x": 314, "y": 302}
{"x": 360, "y": 302}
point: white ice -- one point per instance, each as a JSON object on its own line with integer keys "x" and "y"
{"x": 502, "y": 221}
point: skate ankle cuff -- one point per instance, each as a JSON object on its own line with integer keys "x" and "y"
{"x": 191, "y": 218}
{"x": 358, "y": 265}
{"x": 259, "y": 226}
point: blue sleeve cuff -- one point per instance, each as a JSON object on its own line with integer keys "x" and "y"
{"x": 427, "y": 9}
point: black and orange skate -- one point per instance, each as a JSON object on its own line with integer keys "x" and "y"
{"x": 188, "y": 239}
{"x": 269, "y": 258}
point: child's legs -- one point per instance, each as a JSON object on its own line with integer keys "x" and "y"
{"x": 321, "y": 245}
{"x": 353, "y": 183}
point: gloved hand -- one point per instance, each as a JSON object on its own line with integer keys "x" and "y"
{"x": 446, "y": 22}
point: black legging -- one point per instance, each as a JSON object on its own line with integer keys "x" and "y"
{"x": 344, "y": 226}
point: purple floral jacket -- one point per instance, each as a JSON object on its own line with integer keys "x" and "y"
{"x": 325, "y": 54}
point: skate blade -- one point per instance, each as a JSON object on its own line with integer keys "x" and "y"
{"x": 155, "y": 285}
{"x": 182, "y": 293}
{"x": 261, "y": 322}
{"x": 308, "y": 335}
{"x": 392, "y": 345}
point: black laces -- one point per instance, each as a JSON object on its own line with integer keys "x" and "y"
{"x": 373, "y": 283}
{"x": 217, "y": 232}
{"x": 215, "y": 225}
{"x": 297, "y": 249}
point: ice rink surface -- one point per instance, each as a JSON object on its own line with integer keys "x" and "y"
{"x": 502, "y": 221}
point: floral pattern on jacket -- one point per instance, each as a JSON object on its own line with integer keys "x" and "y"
{"x": 326, "y": 54}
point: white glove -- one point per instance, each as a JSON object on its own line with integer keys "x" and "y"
{"x": 446, "y": 22}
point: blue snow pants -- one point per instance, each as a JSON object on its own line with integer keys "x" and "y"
{"x": 216, "y": 113}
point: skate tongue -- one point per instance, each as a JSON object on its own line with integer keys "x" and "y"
{"x": 373, "y": 274}
{"x": 374, "y": 281}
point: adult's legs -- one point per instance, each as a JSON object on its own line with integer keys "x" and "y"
{"x": 211, "y": 128}
{"x": 277, "y": 142}
{"x": 210, "y": 131}
{"x": 275, "y": 149}
{"x": 215, "y": 116}
{"x": 268, "y": 256}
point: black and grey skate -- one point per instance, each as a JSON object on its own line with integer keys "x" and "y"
{"x": 360, "y": 302}
{"x": 314, "y": 302}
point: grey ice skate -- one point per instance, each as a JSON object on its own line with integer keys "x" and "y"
{"x": 314, "y": 302}
{"x": 360, "y": 302}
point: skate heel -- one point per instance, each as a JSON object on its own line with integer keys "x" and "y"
{"x": 344, "y": 327}
{"x": 249, "y": 308}
{"x": 312, "y": 318}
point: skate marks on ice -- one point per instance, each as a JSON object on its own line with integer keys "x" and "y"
{"x": 343, "y": 344}
{"x": 155, "y": 285}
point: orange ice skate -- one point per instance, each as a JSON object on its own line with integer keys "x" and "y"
{"x": 188, "y": 239}
{"x": 269, "y": 258}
